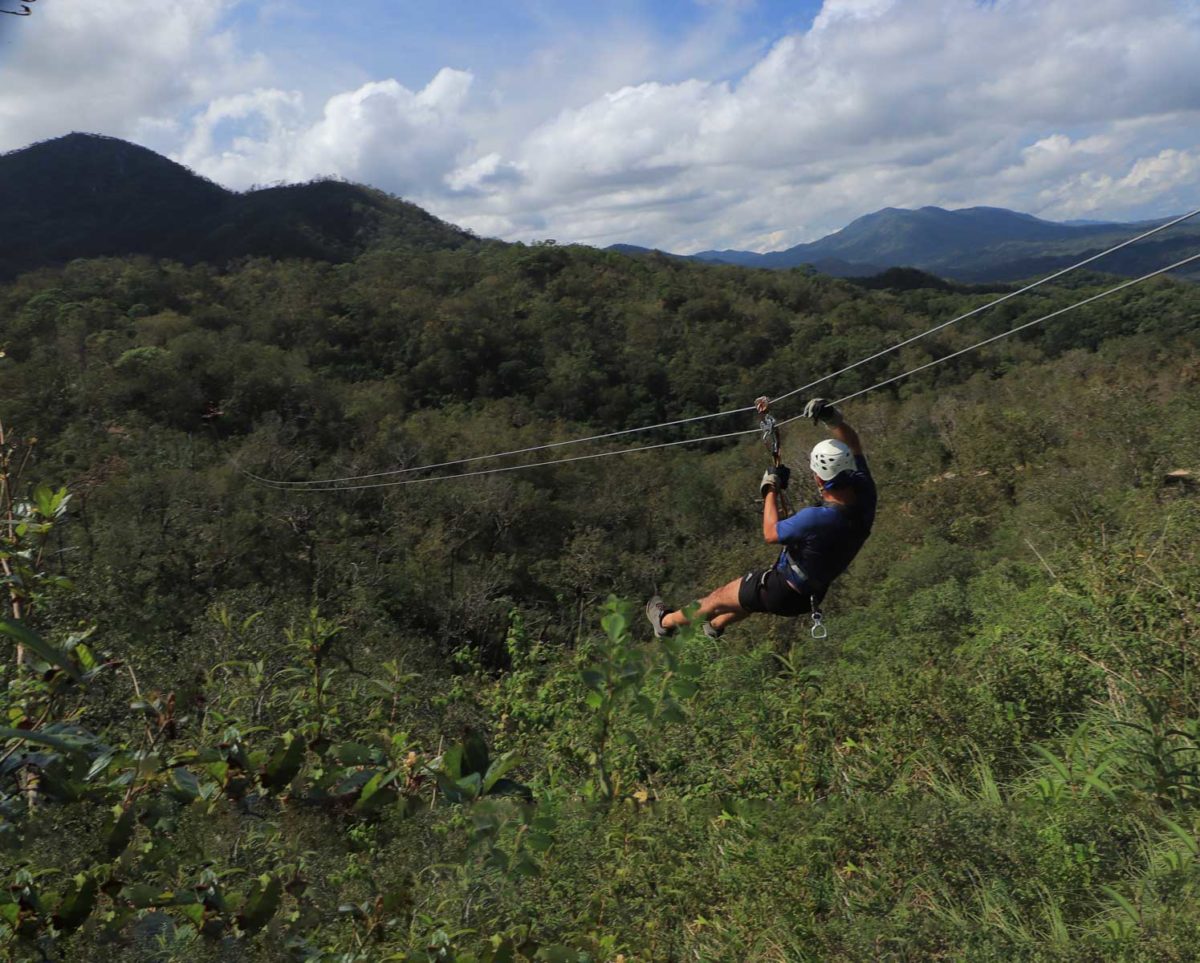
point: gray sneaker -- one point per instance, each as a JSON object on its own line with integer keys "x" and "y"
{"x": 711, "y": 632}
{"x": 655, "y": 610}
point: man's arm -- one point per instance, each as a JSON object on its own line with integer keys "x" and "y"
{"x": 844, "y": 433}
{"x": 771, "y": 519}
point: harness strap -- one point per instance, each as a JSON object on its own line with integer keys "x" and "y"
{"x": 813, "y": 584}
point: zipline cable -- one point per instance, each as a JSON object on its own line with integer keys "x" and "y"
{"x": 278, "y": 483}
{"x": 749, "y": 431}
{"x": 318, "y": 483}
{"x": 535, "y": 464}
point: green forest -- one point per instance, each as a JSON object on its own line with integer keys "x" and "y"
{"x": 430, "y": 722}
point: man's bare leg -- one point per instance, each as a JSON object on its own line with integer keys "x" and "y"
{"x": 721, "y": 622}
{"x": 719, "y": 602}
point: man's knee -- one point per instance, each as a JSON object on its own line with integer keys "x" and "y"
{"x": 724, "y": 599}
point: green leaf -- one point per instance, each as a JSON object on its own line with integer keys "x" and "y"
{"x": 508, "y": 787}
{"x": 557, "y": 954}
{"x": 141, "y": 895}
{"x": 284, "y": 762}
{"x": 471, "y": 786}
{"x": 504, "y": 952}
{"x": 84, "y": 654}
{"x": 594, "y": 700}
{"x": 374, "y": 784}
{"x": 452, "y": 762}
{"x": 449, "y": 787}
{"x": 354, "y": 783}
{"x": 1127, "y": 906}
{"x": 378, "y": 792}
{"x": 614, "y": 625}
{"x": 262, "y": 904}
{"x": 356, "y": 754}
{"x": 593, "y": 679}
{"x": 73, "y": 746}
{"x": 120, "y": 833}
{"x": 184, "y": 785}
{"x": 524, "y": 866}
{"x": 39, "y": 647}
{"x": 497, "y": 769}
{"x": 1054, "y": 761}
{"x": 77, "y": 903}
{"x": 672, "y": 713}
{"x": 43, "y": 497}
{"x": 1187, "y": 838}
{"x": 684, "y": 688}
{"x": 475, "y": 754}
{"x": 1092, "y": 780}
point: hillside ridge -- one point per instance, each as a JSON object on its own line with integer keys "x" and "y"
{"x": 88, "y": 195}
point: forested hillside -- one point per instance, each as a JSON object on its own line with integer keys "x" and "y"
{"x": 84, "y": 195}
{"x": 428, "y": 721}
{"x": 974, "y": 244}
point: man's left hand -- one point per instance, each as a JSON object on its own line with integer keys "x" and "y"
{"x": 823, "y": 411}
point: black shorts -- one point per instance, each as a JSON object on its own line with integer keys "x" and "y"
{"x": 769, "y": 592}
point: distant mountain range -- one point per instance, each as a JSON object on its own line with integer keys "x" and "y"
{"x": 975, "y": 244}
{"x": 83, "y": 195}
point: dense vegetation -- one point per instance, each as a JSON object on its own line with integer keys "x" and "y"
{"x": 410, "y": 722}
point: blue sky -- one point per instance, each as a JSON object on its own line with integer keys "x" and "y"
{"x": 684, "y": 124}
{"x": 412, "y": 39}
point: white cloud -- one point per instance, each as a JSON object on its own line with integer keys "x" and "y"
{"x": 489, "y": 171}
{"x": 1168, "y": 174}
{"x": 1060, "y": 107}
{"x": 381, "y": 134}
{"x": 879, "y": 103}
{"x": 834, "y": 10}
{"x": 121, "y": 67}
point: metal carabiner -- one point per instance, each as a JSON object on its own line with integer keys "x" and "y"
{"x": 818, "y": 627}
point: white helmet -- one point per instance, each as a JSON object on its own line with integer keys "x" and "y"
{"x": 830, "y": 458}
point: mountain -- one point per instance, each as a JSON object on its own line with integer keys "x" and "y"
{"x": 973, "y": 244}
{"x": 922, "y": 237}
{"x": 84, "y": 195}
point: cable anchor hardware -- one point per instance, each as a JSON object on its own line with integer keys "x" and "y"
{"x": 769, "y": 427}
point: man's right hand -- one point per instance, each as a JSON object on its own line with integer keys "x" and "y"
{"x": 774, "y": 479}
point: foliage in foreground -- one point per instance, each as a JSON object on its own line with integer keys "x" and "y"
{"x": 1029, "y": 789}
{"x": 405, "y": 724}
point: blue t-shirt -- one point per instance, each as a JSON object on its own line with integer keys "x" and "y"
{"x": 824, "y": 539}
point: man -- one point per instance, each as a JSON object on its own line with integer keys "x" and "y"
{"x": 818, "y": 543}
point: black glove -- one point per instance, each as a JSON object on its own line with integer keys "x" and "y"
{"x": 775, "y": 478}
{"x": 823, "y": 411}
